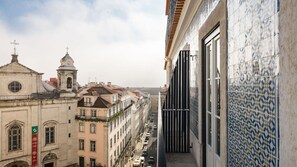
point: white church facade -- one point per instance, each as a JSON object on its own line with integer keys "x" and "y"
{"x": 37, "y": 126}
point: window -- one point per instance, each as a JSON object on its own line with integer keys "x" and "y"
{"x": 111, "y": 143}
{"x": 113, "y": 98}
{"x": 69, "y": 83}
{"x": 109, "y": 112}
{"x": 92, "y": 128}
{"x": 110, "y": 126}
{"x": 92, "y": 162}
{"x": 49, "y": 135}
{"x": 81, "y": 161}
{"x": 82, "y": 112}
{"x": 93, "y": 146}
{"x": 93, "y": 113}
{"x": 81, "y": 144}
{"x": 114, "y": 139}
{"x": 14, "y": 138}
{"x": 88, "y": 101}
{"x": 81, "y": 126}
{"x": 15, "y": 86}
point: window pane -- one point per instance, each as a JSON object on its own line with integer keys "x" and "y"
{"x": 218, "y": 136}
{"x": 218, "y": 72}
{"x": 209, "y": 96}
{"x": 208, "y": 61}
{"x": 209, "y": 133}
{"x": 218, "y": 105}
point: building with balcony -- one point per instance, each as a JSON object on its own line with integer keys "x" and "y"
{"x": 104, "y": 119}
{"x": 141, "y": 107}
{"x": 37, "y": 126}
{"x": 231, "y": 80}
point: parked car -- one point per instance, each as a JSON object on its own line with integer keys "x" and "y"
{"x": 144, "y": 153}
{"x": 136, "y": 163}
{"x": 142, "y": 159}
{"x": 151, "y": 160}
{"x": 145, "y": 142}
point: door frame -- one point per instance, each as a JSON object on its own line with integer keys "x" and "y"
{"x": 203, "y": 99}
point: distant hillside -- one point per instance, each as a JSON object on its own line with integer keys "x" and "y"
{"x": 152, "y": 91}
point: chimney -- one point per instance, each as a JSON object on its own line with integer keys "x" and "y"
{"x": 14, "y": 58}
{"x": 109, "y": 84}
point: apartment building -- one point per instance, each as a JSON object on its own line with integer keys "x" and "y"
{"x": 37, "y": 125}
{"x": 231, "y": 71}
{"x": 104, "y": 119}
{"x": 141, "y": 107}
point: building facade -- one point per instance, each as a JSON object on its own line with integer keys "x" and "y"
{"x": 240, "y": 57}
{"x": 104, "y": 118}
{"x": 141, "y": 107}
{"x": 36, "y": 119}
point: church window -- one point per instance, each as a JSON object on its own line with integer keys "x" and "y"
{"x": 15, "y": 86}
{"x": 14, "y": 138}
{"x": 69, "y": 82}
{"x": 49, "y": 135}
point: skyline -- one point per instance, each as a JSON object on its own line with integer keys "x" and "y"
{"x": 110, "y": 41}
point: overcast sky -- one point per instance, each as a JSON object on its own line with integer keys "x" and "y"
{"x": 121, "y": 41}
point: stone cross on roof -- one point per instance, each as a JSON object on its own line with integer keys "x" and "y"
{"x": 14, "y": 47}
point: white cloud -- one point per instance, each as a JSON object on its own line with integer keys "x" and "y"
{"x": 113, "y": 40}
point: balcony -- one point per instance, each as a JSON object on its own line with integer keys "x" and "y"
{"x": 174, "y": 9}
{"x": 101, "y": 118}
{"x": 89, "y": 118}
{"x": 174, "y": 119}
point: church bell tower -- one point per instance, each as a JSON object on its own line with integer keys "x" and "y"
{"x": 67, "y": 75}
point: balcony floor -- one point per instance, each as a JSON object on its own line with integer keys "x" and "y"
{"x": 180, "y": 159}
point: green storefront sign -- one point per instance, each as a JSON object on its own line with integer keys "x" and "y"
{"x": 34, "y": 130}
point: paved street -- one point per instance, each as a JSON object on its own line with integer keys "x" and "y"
{"x": 152, "y": 144}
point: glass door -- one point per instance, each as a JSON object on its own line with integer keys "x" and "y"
{"x": 212, "y": 73}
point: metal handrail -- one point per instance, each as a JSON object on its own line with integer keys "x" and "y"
{"x": 161, "y": 159}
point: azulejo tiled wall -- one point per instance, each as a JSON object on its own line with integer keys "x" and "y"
{"x": 253, "y": 52}
{"x": 191, "y": 38}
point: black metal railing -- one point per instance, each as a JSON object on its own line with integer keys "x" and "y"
{"x": 102, "y": 118}
{"x": 161, "y": 159}
{"x": 174, "y": 117}
{"x": 90, "y": 118}
{"x": 175, "y": 111}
